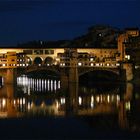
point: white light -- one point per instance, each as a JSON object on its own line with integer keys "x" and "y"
{"x": 127, "y": 57}
{"x": 28, "y": 106}
{"x": 63, "y": 64}
{"x": 118, "y": 98}
{"x": 91, "y": 64}
{"x": 62, "y": 100}
{"x": 108, "y": 98}
{"x": 3, "y": 65}
{"x": 24, "y": 65}
{"x": 79, "y": 64}
{"x": 80, "y": 100}
{"x": 14, "y": 102}
{"x": 107, "y": 64}
{"x": 91, "y": 59}
{"x": 97, "y": 99}
{"x": 92, "y": 102}
{"x": 48, "y": 64}
{"x": 136, "y": 67}
{"x": 97, "y": 64}
{"x": 117, "y": 64}
{"x": 57, "y": 59}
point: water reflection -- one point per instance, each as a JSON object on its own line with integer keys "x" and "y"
{"x": 42, "y": 97}
{"x": 37, "y": 85}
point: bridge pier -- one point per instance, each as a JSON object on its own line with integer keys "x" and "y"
{"x": 10, "y": 76}
{"x": 64, "y": 80}
{"x": 128, "y": 68}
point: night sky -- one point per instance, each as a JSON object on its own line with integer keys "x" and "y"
{"x": 28, "y": 20}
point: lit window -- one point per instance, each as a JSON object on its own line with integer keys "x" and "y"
{"x": 91, "y": 64}
{"x": 79, "y": 64}
{"x": 107, "y": 64}
{"x": 127, "y": 106}
{"x": 62, "y": 100}
{"x": 127, "y": 57}
{"x": 117, "y": 64}
{"x": 97, "y": 64}
{"x": 91, "y": 59}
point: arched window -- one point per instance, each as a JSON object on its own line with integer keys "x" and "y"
{"x": 37, "y": 61}
{"x": 48, "y": 61}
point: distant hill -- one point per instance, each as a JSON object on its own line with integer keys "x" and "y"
{"x": 98, "y": 36}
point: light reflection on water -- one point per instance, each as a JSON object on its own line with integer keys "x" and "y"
{"x": 45, "y": 97}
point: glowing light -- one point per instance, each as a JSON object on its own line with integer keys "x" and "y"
{"x": 14, "y": 102}
{"x": 4, "y": 102}
{"x": 80, "y": 100}
{"x": 91, "y": 59}
{"x": 97, "y": 64}
{"x": 62, "y": 100}
{"x": 79, "y": 64}
{"x": 118, "y": 98}
{"x": 127, "y": 57}
{"x": 107, "y": 64}
{"x": 23, "y": 100}
{"x": 92, "y": 102}
{"x": 127, "y": 106}
{"x": 58, "y": 84}
{"x": 97, "y": 99}
{"x": 108, "y": 98}
{"x": 91, "y": 64}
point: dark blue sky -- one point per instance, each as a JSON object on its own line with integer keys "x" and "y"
{"x": 27, "y": 20}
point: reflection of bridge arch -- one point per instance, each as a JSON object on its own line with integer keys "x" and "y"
{"x": 48, "y": 60}
{"x": 38, "y": 60}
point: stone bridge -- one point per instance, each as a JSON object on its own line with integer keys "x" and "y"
{"x": 69, "y": 73}
{"x": 81, "y": 70}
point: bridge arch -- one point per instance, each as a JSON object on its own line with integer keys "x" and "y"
{"x": 38, "y": 61}
{"x": 96, "y": 74}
